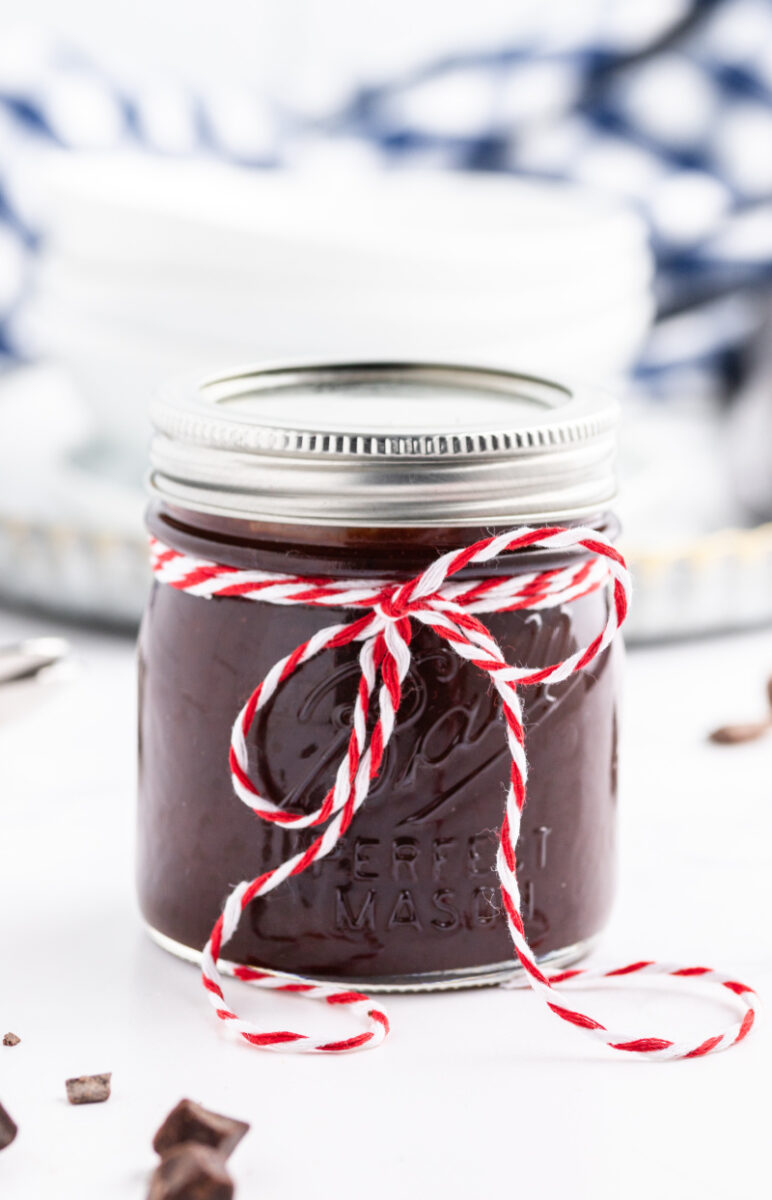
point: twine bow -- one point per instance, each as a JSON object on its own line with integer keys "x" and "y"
{"x": 448, "y": 606}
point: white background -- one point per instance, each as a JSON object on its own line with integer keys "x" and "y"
{"x": 475, "y": 1092}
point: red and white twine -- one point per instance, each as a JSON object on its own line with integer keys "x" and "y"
{"x": 383, "y": 630}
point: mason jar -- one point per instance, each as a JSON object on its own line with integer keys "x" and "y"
{"x": 371, "y": 471}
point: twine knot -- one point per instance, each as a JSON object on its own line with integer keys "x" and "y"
{"x": 395, "y": 604}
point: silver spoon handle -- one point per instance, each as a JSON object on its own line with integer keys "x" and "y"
{"x": 31, "y": 658}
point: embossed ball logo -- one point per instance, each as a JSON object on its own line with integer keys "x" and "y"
{"x": 446, "y": 722}
{"x": 418, "y": 871}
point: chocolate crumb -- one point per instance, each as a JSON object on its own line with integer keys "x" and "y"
{"x": 88, "y": 1089}
{"x": 11, "y": 1039}
{"x": 732, "y": 735}
{"x": 8, "y": 1129}
{"x": 191, "y": 1171}
{"x": 189, "y": 1122}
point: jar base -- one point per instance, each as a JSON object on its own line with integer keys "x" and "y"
{"x": 428, "y": 981}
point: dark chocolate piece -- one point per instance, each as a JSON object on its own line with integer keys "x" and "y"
{"x": 11, "y": 1039}
{"x": 89, "y": 1089}
{"x": 732, "y": 735}
{"x": 191, "y": 1122}
{"x": 8, "y": 1129}
{"x": 191, "y": 1172}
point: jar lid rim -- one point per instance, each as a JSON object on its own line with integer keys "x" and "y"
{"x": 448, "y": 441}
{"x": 203, "y": 411}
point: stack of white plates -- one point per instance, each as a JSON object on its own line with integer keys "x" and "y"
{"x": 152, "y": 267}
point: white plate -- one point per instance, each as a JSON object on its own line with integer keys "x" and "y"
{"x": 292, "y": 260}
{"x": 207, "y": 299}
{"x": 124, "y": 208}
{"x": 218, "y": 312}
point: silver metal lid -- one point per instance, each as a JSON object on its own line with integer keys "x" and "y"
{"x": 384, "y": 444}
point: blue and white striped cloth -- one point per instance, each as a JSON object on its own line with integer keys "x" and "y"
{"x": 677, "y": 118}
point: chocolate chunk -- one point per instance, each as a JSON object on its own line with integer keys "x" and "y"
{"x": 732, "y": 735}
{"x": 191, "y": 1172}
{"x": 11, "y": 1039}
{"x": 8, "y": 1129}
{"x": 88, "y": 1089}
{"x": 191, "y": 1122}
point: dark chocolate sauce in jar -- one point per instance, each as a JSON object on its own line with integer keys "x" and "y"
{"x": 412, "y": 887}
{"x": 410, "y": 894}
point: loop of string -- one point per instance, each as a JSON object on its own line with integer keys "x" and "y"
{"x": 383, "y": 632}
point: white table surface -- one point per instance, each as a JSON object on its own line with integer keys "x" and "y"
{"x": 474, "y": 1091}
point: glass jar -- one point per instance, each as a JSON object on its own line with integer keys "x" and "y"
{"x": 372, "y": 471}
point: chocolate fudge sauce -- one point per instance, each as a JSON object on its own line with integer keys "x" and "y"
{"x": 412, "y": 888}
